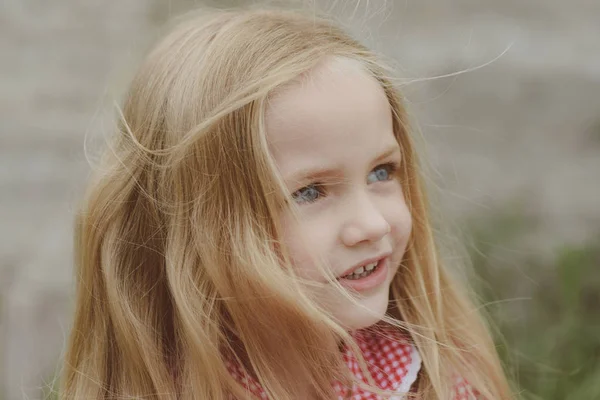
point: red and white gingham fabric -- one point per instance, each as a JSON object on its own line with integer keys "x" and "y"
{"x": 464, "y": 391}
{"x": 392, "y": 361}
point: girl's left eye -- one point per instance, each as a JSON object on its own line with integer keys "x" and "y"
{"x": 383, "y": 172}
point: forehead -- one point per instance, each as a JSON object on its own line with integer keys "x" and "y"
{"x": 337, "y": 112}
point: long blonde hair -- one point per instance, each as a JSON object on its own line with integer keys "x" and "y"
{"x": 176, "y": 242}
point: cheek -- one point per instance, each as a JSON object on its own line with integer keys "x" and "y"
{"x": 305, "y": 242}
{"x": 401, "y": 224}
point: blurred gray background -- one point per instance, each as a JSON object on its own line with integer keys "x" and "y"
{"x": 514, "y": 145}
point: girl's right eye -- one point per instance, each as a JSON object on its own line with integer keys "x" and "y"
{"x": 308, "y": 194}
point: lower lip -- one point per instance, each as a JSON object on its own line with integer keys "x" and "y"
{"x": 370, "y": 281}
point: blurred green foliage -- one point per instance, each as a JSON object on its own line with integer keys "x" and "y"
{"x": 545, "y": 311}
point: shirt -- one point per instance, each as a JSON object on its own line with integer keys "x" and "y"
{"x": 392, "y": 360}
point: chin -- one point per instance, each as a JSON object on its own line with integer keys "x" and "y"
{"x": 373, "y": 310}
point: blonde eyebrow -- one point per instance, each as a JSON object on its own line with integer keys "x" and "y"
{"x": 395, "y": 148}
{"x": 315, "y": 174}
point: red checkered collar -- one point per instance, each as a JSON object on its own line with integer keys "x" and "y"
{"x": 392, "y": 360}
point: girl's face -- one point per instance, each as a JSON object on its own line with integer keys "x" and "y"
{"x": 332, "y": 139}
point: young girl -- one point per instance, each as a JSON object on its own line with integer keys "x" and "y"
{"x": 258, "y": 229}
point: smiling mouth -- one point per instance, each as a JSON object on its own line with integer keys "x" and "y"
{"x": 363, "y": 271}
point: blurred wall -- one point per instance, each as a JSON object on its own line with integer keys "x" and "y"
{"x": 58, "y": 60}
{"x": 520, "y": 131}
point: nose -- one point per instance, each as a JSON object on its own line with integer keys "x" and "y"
{"x": 364, "y": 221}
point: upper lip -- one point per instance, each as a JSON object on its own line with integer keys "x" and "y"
{"x": 364, "y": 262}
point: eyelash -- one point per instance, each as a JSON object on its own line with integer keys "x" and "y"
{"x": 390, "y": 167}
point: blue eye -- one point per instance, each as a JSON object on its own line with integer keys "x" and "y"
{"x": 307, "y": 194}
{"x": 382, "y": 172}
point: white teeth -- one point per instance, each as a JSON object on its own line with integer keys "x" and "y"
{"x": 362, "y": 271}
